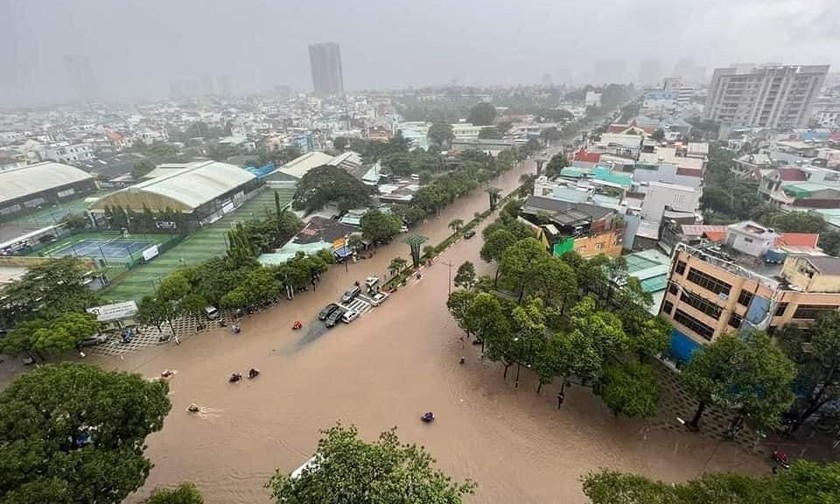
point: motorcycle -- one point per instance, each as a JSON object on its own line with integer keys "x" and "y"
{"x": 428, "y": 417}
{"x": 297, "y": 325}
{"x": 253, "y": 373}
{"x": 235, "y": 377}
{"x": 781, "y": 458}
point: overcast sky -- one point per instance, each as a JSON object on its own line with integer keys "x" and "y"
{"x": 136, "y": 47}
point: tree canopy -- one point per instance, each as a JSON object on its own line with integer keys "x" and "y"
{"x": 379, "y": 227}
{"x": 383, "y": 472}
{"x": 440, "y": 133}
{"x": 482, "y": 114}
{"x": 76, "y": 433}
{"x": 185, "y": 493}
{"x": 324, "y": 184}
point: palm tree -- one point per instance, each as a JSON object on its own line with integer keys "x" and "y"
{"x": 397, "y": 264}
{"x": 495, "y": 195}
{"x": 456, "y": 225}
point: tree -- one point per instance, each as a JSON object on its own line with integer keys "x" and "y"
{"x": 458, "y": 302}
{"x": 482, "y": 114}
{"x": 456, "y": 225}
{"x": 658, "y": 135}
{"x": 520, "y": 264}
{"x": 51, "y": 337}
{"x": 76, "y": 433}
{"x": 46, "y": 291}
{"x": 555, "y": 165}
{"x": 414, "y": 242}
{"x": 378, "y": 227}
{"x": 490, "y": 133}
{"x": 816, "y": 353}
{"x": 396, "y": 265}
{"x": 156, "y": 311}
{"x": 185, "y": 493}
{"x": 747, "y": 374}
{"x": 629, "y": 389}
{"x": 465, "y": 276}
{"x": 805, "y": 483}
{"x": 487, "y": 320}
{"x": 355, "y": 242}
{"x": 340, "y": 143}
{"x": 495, "y": 194}
{"x": 141, "y": 168}
{"x": 351, "y": 470}
{"x": 440, "y": 133}
{"x": 324, "y": 184}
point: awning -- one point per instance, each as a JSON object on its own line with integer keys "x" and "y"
{"x": 682, "y": 346}
{"x": 343, "y": 252}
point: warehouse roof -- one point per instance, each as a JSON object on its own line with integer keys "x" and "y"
{"x": 32, "y": 179}
{"x": 187, "y": 189}
{"x": 300, "y": 165}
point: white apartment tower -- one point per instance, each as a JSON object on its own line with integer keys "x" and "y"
{"x": 767, "y": 96}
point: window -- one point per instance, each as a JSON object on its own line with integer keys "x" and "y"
{"x": 745, "y": 298}
{"x": 680, "y": 269}
{"x": 673, "y": 289}
{"x": 735, "y": 321}
{"x": 703, "y": 305}
{"x": 695, "y": 325}
{"x": 806, "y": 311}
{"x": 668, "y": 307}
{"x": 780, "y": 310}
{"x": 708, "y": 282}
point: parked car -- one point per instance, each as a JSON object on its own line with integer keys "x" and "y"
{"x": 334, "y": 317}
{"x": 211, "y": 312}
{"x": 327, "y": 311}
{"x": 378, "y": 298}
{"x": 350, "y": 316}
{"x": 94, "y": 340}
{"x": 351, "y": 294}
{"x": 469, "y": 233}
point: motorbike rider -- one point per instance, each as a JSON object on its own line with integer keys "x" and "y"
{"x": 253, "y": 373}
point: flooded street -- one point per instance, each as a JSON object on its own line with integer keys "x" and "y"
{"x": 384, "y": 370}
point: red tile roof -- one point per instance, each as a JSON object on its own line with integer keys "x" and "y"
{"x": 715, "y": 236}
{"x": 584, "y": 155}
{"x": 690, "y": 172}
{"x": 792, "y": 175}
{"x": 798, "y": 240}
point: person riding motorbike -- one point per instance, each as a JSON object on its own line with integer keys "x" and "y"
{"x": 235, "y": 377}
{"x": 253, "y": 373}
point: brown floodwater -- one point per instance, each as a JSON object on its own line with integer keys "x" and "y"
{"x": 384, "y": 370}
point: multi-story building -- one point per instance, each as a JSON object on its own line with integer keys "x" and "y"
{"x": 325, "y": 61}
{"x": 748, "y": 277}
{"x": 766, "y": 96}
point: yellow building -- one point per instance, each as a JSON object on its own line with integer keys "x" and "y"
{"x": 714, "y": 289}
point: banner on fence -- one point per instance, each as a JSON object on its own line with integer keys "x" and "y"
{"x": 150, "y": 253}
{"x": 116, "y": 311}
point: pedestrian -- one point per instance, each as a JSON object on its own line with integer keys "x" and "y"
{"x": 560, "y": 398}
{"x": 462, "y": 361}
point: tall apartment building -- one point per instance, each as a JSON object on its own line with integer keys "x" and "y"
{"x": 325, "y": 61}
{"x": 753, "y": 278}
{"x": 765, "y": 96}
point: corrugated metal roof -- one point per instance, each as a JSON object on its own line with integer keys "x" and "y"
{"x": 35, "y": 178}
{"x": 195, "y": 185}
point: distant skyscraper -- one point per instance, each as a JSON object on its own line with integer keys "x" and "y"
{"x": 81, "y": 78}
{"x": 768, "y": 96}
{"x": 325, "y": 61}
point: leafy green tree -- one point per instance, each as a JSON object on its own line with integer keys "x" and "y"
{"x": 495, "y": 246}
{"x": 629, "y": 389}
{"x": 325, "y": 184}
{"x": 156, "y": 311}
{"x": 482, "y": 114}
{"x": 46, "y": 291}
{"x": 76, "y": 433}
{"x": 398, "y": 163}
{"x": 465, "y": 276}
{"x": 440, "y": 133}
{"x": 185, "y": 493}
{"x": 52, "y": 337}
{"x": 521, "y": 263}
{"x": 340, "y": 143}
{"x": 260, "y": 286}
{"x": 456, "y": 224}
{"x": 355, "y": 242}
{"x": 658, "y": 135}
{"x": 816, "y": 353}
{"x": 805, "y": 482}
{"x": 459, "y": 302}
{"x": 352, "y": 470}
{"x": 747, "y": 374}
{"x": 555, "y": 165}
{"x": 141, "y": 168}
{"x": 487, "y": 320}
{"x": 378, "y": 227}
{"x": 396, "y": 265}
{"x": 490, "y": 133}
{"x": 598, "y": 334}
{"x": 555, "y": 283}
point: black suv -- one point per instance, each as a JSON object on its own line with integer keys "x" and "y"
{"x": 334, "y": 317}
{"x": 327, "y": 311}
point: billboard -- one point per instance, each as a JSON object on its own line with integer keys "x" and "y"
{"x": 116, "y": 311}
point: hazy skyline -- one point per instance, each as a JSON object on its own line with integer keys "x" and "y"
{"x": 136, "y": 48}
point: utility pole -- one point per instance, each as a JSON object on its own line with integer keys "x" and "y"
{"x": 449, "y": 285}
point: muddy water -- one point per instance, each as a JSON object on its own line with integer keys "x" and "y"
{"x": 381, "y": 371}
